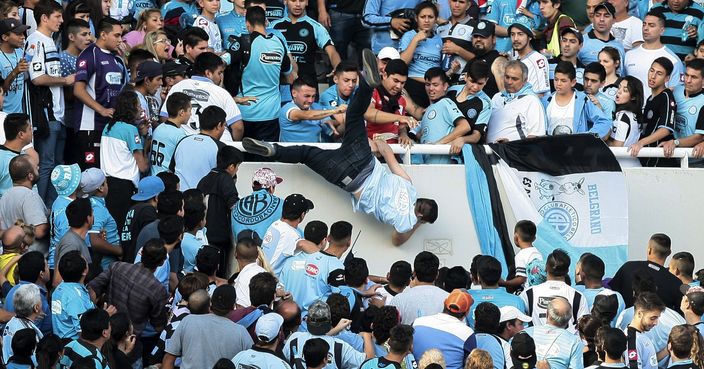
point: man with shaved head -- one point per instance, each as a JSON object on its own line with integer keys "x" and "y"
{"x": 20, "y": 202}
{"x": 12, "y": 245}
{"x": 554, "y": 343}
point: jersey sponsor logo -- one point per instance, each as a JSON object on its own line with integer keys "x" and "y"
{"x": 137, "y": 139}
{"x": 303, "y": 32}
{"x": 312, "y": 270}
{"x": 562, "y": 216}
{"x": 113, "y": 78}
{"x": 202, "y": 22}
{"x": 540, "y": 63}
{"x": 471, "y": 113}
{"x": 692, "y": 110}
{"x": 82, "y": 64}
{"x": 298, "y": 47}
{"x": 632, "y": 354}
{"x": 89, "y": 157}
{"x": 271, "y": 57}
{"x": 402, "y": 201}
{"x": 199, "y": 95}
{"x": 255, "y": 208}
{"x": 432, "y": 114}
{"x": 36, "y": 67}
{"x": 543, "y": 301}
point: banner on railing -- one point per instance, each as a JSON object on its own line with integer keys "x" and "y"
{"x": 571, "y": 187}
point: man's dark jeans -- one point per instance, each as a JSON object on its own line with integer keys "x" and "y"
{"x": 341, "y": 165}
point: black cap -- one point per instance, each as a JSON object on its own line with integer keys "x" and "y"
{"x": 148, "y": 69}
{"x": 523, "y": 351}
{"x": 336, "y": 278}
{"x": 573, "y": 31}
{"x": 608, "y": 6}
{"x": 12, "y": 25}
{"x": 174, "y": 68}
{"x": 295, "y": 205}
{"x": 248, "y": 233}
{"x": 484, "y": 28}
{"x": 224, "y": 298}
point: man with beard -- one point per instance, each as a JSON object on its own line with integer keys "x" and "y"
{"x": 648, "y": 308}
{"x": 20, "y": 202}
{"x": 521, "y": 36}
{"x": 484, "y": 43}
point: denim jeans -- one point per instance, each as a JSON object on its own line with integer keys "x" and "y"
{"x": 347, "y": 28}
{"x": 341, "y": 165}
{"x": 51, "y": 154}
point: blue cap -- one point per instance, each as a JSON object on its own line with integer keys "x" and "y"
{"x": 148, "y": 187}
{"x": 66, "y": 179}
{"x": 524, "y": 24}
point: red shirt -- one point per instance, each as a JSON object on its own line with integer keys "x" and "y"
{"x": 386, "y": 131}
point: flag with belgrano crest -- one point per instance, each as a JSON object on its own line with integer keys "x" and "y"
{"x": 571, "y": 187}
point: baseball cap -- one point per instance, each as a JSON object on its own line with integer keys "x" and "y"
{"x": 336, "y": 278}
{"x": 296, "y": 204}
{"x": 523, "y": 351}
{"x": 484, "y": 29}
{"x": 318, "y": 319}
{"x": 224, "y": 298}
{"x": 388, "y": 53}
{"x": 148, "y": 187}
{"x": 458, "y": 301}
{"x": 266, "y": 177}
{"x": 148, "y": 69}
{"x": 174, "y": 68}
{"x": 573, "y": 31}
{"x": 91, "y": 180}
{"x": 608, "y": 6}
{"x": 509, "y": 313}
{"x": 268, "y": 327}
{"x": 66, "y": 179}
{"x": 522, "y": 23}
{"x": 11, "y": 25}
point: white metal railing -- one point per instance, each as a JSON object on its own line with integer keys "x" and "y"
{"x": 619, "y": 152}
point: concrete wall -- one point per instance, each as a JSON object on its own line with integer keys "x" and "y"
{"x": 660, "y": 200}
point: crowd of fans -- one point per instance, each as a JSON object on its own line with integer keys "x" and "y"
{"x": 126, "y": 244}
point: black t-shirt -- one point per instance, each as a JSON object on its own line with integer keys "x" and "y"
{"x": 490, "y": 88}
{"x": 659, "y": 112}
{"x": 302, "y": 44}
{"x": 471, "y": 108}
{"x": 347, "y": 6}
{"x": 668, "y": 286}
{"x": 684, "y": 365}
{"x": 137, "y": 218}
{"x": 275, "y": 10}
{"x": 221, "y": 194}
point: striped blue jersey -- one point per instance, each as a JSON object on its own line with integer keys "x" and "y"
{"x": 589, "y": 53}
{"x": 259, "y": 358}
{"x": 492, "y": 344}
{"x": 591, "y": 293}
{"x": 306, "y": 276}
{"x": 562, "y": 349}
{"x": 230, "y": 24}
{"x": 675, "y": 23}
{"x": 439, "y": 119}
{"x": 376, "y": 17}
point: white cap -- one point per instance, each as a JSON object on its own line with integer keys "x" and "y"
{"x": 511, "y": 313}
{"x": 268, "y": 326}
{"x": 388, "y": 53}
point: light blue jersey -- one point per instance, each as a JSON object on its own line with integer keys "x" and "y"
{"x": 83, "y": 349}
{"x": 330, "y": 98}
{"x": 647, "y": 354}
{"x": 103, "y": 221}
{"x": 376, "y": 17}
{"x": 660, "y": 333}
{"x": 608, "y": 105}
{"x": 138, "y": 6}
{"x": 690, "y": 115}
{"x": 16, "y": 324}
{"x": 350, "y": 358}
{"x": 189, "y": 8}
{"x": 164, "y": 140}
{"x": 390, "y": 198}
{"x": 306, "y": 276}
{"x": 259, "y": 358}
{"x": 190, "y": 168}
{"x": 256, "y": 212}
{"x": 438, "y": 121}
{"x": 562, "y": 349}
{"x": 591, "y": 293}
{"x": 492, "y": 345}
{"x": 68, "y": 302}
{"x": 14, "y": 94}
{"x": 190, "y": 246}
{"x": 260, "y": 77}
{"x": 306, "y": 130}
{"x": 503, "y": 13}
{"x": 498, "y": 297}
{"x": 230, "y": 24}
{"x": 589, "y": 53}
{"x": 428, "y": 53}
{"x": 59, "y": 226}
{"x": 44, "y": 324}
{"x": 691, "y": 15}
{"x": 5, "y": 156}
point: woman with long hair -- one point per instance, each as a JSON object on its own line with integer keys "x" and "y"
{"x": 610, "y": 58}
{"x": 157, "y": 43}
{"x": 685, "y": 347}
{"x": 149, "y": 20}
{"x": 122, "y": 141}
{"x": 421, "y": 49}
{"x": 629, "y": 105}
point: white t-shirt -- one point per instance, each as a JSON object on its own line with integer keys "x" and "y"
{"x": 205, "y": 93}
{"x": 214, "y": 37}
{"x": 509, "y": 115}
{"x": 538, "y": 71}
{"x": 560, "y": 118}
{"x": 626, "y": 128}
{"x": 523, "y": 257}
{"x": 638, "y": 61}
{"x": 279, "y": 243}
{"x": 242, "y": 283}
{"x": 543, "y": 293}
{"x": 44, "y": 59}
{"x": 628, "y": 31}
